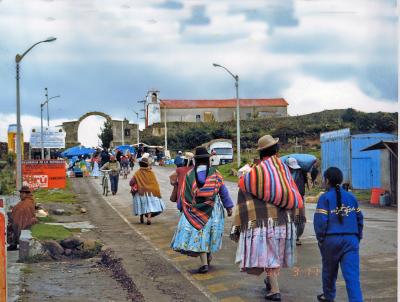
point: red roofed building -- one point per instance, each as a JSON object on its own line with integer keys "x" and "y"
{"x": 220, "y": 110}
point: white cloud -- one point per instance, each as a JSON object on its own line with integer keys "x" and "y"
{"x": 308, "y": 94}
{"x": 27, "y": 122}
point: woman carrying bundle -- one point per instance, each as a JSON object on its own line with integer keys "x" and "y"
{"x": 202, "y": 200}
{"x": 262, "y": 217}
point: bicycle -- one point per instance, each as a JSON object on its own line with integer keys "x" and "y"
{"x": 104, "y": 181}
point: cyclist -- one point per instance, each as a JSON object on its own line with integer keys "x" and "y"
{"x": 115, "y": 168}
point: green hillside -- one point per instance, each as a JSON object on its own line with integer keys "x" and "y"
{"x": 306, "y": 128}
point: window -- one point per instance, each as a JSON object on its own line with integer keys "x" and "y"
{"x": 127, "y": 132}
{"x": 198, "y": 118}
{"x": 248, "y": 115}
{"x": 223, "y": 151}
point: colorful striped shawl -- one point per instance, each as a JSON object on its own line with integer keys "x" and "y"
{"x": 272, "y": 182}
{"x": 198, "y": 202}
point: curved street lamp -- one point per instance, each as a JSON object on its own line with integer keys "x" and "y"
{"x": 18, "y": 59}
{"x": 236, "y": 78}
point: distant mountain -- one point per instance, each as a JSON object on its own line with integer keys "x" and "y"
{"x": 186, "y": 136}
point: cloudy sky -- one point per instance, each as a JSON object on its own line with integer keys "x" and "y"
{"x": 317, "y": 54}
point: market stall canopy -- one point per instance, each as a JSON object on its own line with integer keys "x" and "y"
{"x": 77, "y": 151}
{"x": 124, "y": 148}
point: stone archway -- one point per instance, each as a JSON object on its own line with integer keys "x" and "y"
{"x": 118, "y": 127}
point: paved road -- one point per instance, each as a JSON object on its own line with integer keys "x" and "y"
{"x": 302, "y": 283}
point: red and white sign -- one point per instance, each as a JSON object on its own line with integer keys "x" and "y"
{"x": 48, "y": 174}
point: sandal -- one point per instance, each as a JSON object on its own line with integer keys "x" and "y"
{"x": 148, "y": 222}
{"x": 203, "y": 269}
{"x": 274, "y": 297}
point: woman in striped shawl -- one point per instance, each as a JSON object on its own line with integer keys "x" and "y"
{"x": 262, "y": 224}
{"x": 202, "y": 200}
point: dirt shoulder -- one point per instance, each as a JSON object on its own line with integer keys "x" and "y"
{"x": 156, "y": 279}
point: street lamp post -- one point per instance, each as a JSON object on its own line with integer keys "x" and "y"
{"x": 236, "y": 78}
{"x": 18, "y": 59}
{"x": 165, "y": 129}
{"x": 137, "y": 118}
{"x": 41, "y": 120}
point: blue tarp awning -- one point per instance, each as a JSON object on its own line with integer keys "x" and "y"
{"x": 124, "y": 148}
{"x": 77, "y": 151}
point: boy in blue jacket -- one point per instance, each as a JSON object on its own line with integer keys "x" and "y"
{"x": 338, "y": 225}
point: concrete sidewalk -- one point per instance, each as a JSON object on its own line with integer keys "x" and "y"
{"x": 301, "y": 283}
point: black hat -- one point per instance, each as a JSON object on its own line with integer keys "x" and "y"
{"x": 201, "y": 152}
{"x": 25, "y": 189}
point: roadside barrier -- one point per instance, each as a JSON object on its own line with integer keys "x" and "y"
{"x": 3, "y": 253}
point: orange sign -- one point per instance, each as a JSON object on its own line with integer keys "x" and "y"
{"x": 3, "y": 259}
{"x": 48, "y": 174}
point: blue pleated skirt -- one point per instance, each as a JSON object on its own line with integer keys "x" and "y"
{"x": 190, "y": 241}
{"x": 147, "y": 203}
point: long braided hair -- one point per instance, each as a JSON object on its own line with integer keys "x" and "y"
{"x": 335, "y": 178}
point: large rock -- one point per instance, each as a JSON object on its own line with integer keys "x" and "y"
{"x": 29, "y": 247}
{"x": 54, "y": 248}
{"x": 71, "y": 243}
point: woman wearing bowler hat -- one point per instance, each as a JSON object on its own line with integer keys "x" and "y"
{"x": 202, "y": 200}
{"x": 22, "y": 217}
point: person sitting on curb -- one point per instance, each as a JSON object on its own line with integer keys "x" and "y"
{"x": 22, "y": 217}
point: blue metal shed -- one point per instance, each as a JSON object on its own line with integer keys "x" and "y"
{"x": 360, "y": 169}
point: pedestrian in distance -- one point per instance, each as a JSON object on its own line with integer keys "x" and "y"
{"x": 338, "y": 225}
{"x": 178, "y": 161}
{"x": 298, "y": 214}
{"x": 125, "y": 166}
{"x": 105, "y": 157}
{"x": 146, "y": 192}
{"x": 314, "y": 174}
{"x": 202, "y": 200}
{"x": 177, "y": 178}
{"x": 262, "y": 223}
{"x": 95, "y": 171}
{"x": 115, "y": 168}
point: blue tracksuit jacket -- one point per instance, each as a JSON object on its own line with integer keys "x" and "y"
{"x": 326, "y": 221}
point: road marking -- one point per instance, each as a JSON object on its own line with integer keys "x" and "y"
{"x": 221, "y": 287}
{"x": 232, "y": 299}
{"x": 210, "y": 275}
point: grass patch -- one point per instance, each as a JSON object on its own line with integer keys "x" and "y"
{"x": 26, "y": 270}
{"x": 362, "y": 195}
{"x": 46, "y": 219}
{"x": 226, "y": 171}
{"x": 50, "y": 232}
{"x": 55, "y": 195}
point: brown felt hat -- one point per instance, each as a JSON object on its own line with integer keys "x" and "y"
{"x": 266, "y": 141}
{"x": 25, "y": 189}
